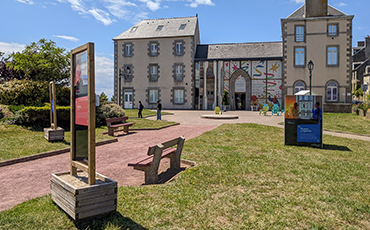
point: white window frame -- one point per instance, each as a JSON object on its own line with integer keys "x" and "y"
{"x": 128, "y": 49}
{"x": 153, "y": 95}
{"x": 332, "y": 55}
{"x": 333, "y": 30}
{"x": 299, "y": 33}
{"x": 179, "y": 71}
{"x": 330, "y": 95}
{"x": 154, "y": 49}
{"x": 178, "y": 96}
{"x": 153, "y": 70}
{"x": 299, "y": 86}
{"x": 179, "y": 48}
{"x": 299, "y": 56}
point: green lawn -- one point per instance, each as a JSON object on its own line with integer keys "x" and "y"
{"x": 245, "y": 178}
{"x": 348, "y": 122}
{"x": 146, "y": 112}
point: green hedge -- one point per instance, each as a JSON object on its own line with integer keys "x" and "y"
{"x": 28, "y": 92}
{"x": 40, "y": 116}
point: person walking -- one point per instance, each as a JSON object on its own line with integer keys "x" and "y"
{"x": 159, "y": 108}
{"x": 141, "y": 107}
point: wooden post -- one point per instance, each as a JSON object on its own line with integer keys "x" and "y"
{"x": 90, "y": 168}
{"x": 53, "y": 105}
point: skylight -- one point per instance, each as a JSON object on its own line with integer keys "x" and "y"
{"x": 134, "y": 29}
{"x": 159, "y": 28}
{"x": 182, "y": 27}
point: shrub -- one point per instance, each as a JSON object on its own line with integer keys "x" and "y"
{"x": 40, "y": 116}
{"x": 15, "y": 108}
{"x": 28, "y": 92}
{"x": 108, "y": 111}
{"x": 1, "y": 112}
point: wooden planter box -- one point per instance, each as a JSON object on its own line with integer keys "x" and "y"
{"x": 54, "y": 135}
{"x": 79, "y": 199}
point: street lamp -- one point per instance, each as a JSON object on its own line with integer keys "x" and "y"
{"x": 310, "y": 68}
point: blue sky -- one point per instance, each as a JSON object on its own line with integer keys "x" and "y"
{"x": 71, "y": 23}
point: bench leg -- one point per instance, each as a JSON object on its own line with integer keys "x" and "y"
{"x": 125, "y": 129}
{"x": 110, "y": 132}
{"x": 151, "y": 177}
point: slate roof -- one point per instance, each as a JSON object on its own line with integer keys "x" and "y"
{"x": 237, "y": 51}
{"x": 147, "y": 28}
{"x": 299, "y": 14}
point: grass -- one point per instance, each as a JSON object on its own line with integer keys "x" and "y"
{"x": 246, "y": 178}
{"x": 17, "y": 141}
{"x": 146, "y": 112}
{"x": 347, "y": 122}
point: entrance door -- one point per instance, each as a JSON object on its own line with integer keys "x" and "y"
{"x": 240, "y": 101}
{"x": 128, "y": 99}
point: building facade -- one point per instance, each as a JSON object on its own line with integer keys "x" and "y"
{"x": 154, "y": 60}
{"x": 361, "y": 64}
{"x": 163, "y": 60}
{"x": 323, "y": 34}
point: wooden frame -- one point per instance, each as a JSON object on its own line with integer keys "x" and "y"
{"x": 53, "y": 106}
{"x": 90, "y": 168}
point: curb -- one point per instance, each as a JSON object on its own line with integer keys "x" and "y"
{"x": 48, "y": 154}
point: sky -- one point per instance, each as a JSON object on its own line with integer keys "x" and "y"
{"x": 72, "y": 23}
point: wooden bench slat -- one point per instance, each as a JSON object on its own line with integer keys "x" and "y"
{"x": 123, "y": 124}
{"x": 147, "y": 160}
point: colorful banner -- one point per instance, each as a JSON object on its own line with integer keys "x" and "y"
{"x": 258, "y": 70}
{"x": 274, "y": 70}
{"x": 274, "y": 88}
{"x": 235, "y": 65}
{"x": 245, "y": 65}
{"x": 227, "y": 76}
{"x": 259, "y": 88}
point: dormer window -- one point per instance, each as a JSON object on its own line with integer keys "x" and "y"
{"x": 182, "y": 27}
{"x": 159, "y": 28}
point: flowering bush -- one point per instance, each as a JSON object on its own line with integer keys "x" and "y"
{"x": 108, "y": 111}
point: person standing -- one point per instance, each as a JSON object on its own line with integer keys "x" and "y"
{"x": 317, "y": 114}
{"x": 159, "y": 108}
{"x": 141, "y": 107}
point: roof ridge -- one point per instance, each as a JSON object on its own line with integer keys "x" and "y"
{"x": 236, "y": 43}
{"x": 157, "y": 19}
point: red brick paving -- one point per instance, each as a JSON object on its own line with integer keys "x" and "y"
{"x": 28, "y": 180}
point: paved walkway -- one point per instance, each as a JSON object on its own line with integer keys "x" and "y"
{"x": 28, "y": 180}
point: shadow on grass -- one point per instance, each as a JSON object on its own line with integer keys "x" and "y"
{"x": 113, "y": 219}
{"x": 169, "y": 174}
{"x": 336, "y": 147}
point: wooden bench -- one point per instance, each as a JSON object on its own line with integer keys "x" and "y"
{"x": 150, "y": 164}
{"x": 111, "y": 127}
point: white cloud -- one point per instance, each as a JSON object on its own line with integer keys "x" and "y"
{"x": 196, "y": 3}
{"x": 119, "y": 8}
{"x": 153, "y": 6}
{"x": 341, "y": 4}
{"x": 26, "y": 1}
{"x": 101, "y": 16}
{"x": 70, "y": 38}
{"x": 298, "y": 1}
{"x": 9, "y": 48}
{"x": 104, "y": 68}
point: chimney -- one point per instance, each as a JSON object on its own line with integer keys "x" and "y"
{"x": 316, "y": 8}
{"x": 367, "y": 46}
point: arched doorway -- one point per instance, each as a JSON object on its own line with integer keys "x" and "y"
{"x": 240, "y": 91}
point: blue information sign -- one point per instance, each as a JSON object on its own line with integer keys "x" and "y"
{"x": 309, "y": 133}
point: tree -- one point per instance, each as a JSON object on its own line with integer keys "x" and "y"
{"x": 6, "y": 73}
{"x": 42, "y": 61}
{"x": 103, "y": 98}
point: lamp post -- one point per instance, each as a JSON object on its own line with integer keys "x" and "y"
{"x": 310, "y": 68}
{"x": 120, "y": 75}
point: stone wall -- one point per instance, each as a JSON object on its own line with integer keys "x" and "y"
{"x": 338, "y": 108}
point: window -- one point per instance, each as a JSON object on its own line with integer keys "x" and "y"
{"x": 153, "y": 96}
{"x": 126, "y": 72}
{"x": 128, "y": 50}
{"x": 299, "y": 33}
{"x": 299, "y": 86}
{"x": 333, "y": 30}
{"x": 179, "y": 72}
{"x": 332, "y": 91}
{"x": 134, "y": 29}
{"x": 154, "y": 49}
{"x": 182, "y": 27}
{"x": 299, "y": 56}
{"x": 179, "y": 96}
{"x": 179, "y": 48}
{"x": 332, "y": 56}
{"x": 153, "y": 72}
{"x": 159, "y": 28}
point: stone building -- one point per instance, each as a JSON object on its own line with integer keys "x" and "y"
{"x": 162, "y": 59}
{"x": 323, "y": 34}
{"x": 361, "y": 63}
